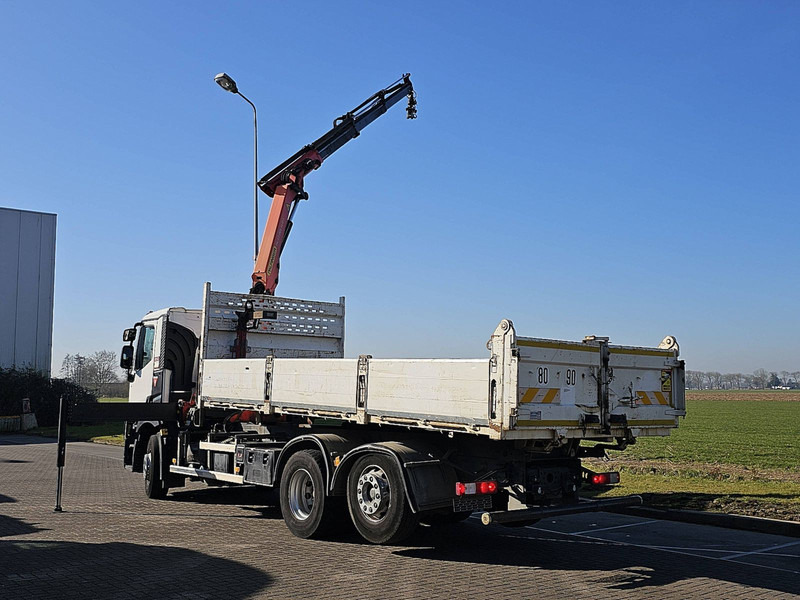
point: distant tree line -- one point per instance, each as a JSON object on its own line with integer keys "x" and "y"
{"x": 760, "y": 379}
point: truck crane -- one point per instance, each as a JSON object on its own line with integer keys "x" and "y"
{"x": 254, "y": 389}
{"x": 285, "y": 183}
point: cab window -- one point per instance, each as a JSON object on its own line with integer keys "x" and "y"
{"x": 144, "y": 351}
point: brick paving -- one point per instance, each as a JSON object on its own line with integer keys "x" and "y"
{"x": 112, "y": 542}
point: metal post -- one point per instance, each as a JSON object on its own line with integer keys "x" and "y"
{"x": 255, "y": 176}
{"x": 62, "y": 448}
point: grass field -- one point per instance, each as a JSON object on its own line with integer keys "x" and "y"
{"x": 736, "y": 451}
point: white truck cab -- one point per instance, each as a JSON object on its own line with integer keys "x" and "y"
{"x": 163, "y": 349}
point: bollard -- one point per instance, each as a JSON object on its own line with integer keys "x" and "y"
{"x": 62, "y": 449}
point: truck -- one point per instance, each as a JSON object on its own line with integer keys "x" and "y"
{"x": 255, "y": 389}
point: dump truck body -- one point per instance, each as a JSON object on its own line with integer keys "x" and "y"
{"x": 523, "y": 388}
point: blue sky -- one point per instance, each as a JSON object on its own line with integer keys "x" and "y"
{"x": 627, "y": 169}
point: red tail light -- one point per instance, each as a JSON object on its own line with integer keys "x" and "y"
{"x": 604, "y": 478}
{"x": 487, "y": 487}
{"x": 479, "y": 487}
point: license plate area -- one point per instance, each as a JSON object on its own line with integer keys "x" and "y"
{"x": 471, "y": 503}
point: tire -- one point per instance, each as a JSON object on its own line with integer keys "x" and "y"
{"x": 307, "y": 510}
{"x": 377, "y": 501}
{"x": 154, "y": 485}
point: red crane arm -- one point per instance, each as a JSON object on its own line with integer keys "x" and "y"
{"x": 285, "y": 182}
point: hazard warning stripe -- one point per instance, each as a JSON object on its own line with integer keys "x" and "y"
{"x": 652, "y": 398}
{"x": 541, "y": 396}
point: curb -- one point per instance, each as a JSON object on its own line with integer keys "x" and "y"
{"x": 759, "y": 524}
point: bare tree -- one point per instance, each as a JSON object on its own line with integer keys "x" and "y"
{"x": 715, "y": 380}
{"x": 101, "y": 369}
{"x": 738, "y": 379}
{"x": 785, "y": 377}
{"x": 73, "y": 368}
{"x": 729, "y": 381}
{"x": 760, "y": 379}
{"x": 694, "y": 380}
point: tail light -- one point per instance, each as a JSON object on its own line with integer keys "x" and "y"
{"x": 487, "y": 487}
{"x": 603, "y": 478}
{"x": 478, "y": 487}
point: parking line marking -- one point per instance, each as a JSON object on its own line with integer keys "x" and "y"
{"x": 696, "y": 549}
{"x": 615, "y": 527}
{"x": 721, "y": 551}
{"x": 648, "y": 547}
{"x": 760, "y": 551}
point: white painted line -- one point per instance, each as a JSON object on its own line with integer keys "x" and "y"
{"x": 648, "y": 547}
{"x": 615, "y": 527}
{"x": 722, "y": 551}
{"x": 728, "y": 551}
{"x": 779, "y": 546}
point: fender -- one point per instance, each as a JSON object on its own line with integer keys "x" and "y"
{"x": 428, "y": 482}
{"x": 324, "y": 442}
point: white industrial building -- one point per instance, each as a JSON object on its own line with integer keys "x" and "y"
{"x": 27, "y": 277}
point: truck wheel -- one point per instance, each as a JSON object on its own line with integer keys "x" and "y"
{"x": 377, "y": 501}
{"x": 154, "y": 485}
{"x": 306, "y": 509}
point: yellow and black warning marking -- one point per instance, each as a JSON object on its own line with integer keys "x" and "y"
{"x": 541, "y": 396}
{"x": 666, "y": 380}
{"x": 653, "y": 398}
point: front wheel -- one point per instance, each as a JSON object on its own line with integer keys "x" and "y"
{"x": 377, "y": 501}
{"x": 154, "y": 485}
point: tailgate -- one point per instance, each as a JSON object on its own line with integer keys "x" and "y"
{"x": 589, "y": 389}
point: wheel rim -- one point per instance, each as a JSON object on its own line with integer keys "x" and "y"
{"x": 301, "y": 494}
{"x": 373, "y": 493}
{"x": 147, "y": 467}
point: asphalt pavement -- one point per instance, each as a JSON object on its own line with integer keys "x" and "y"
{"x": 204, "y": 542}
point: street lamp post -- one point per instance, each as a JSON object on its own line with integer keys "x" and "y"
{"x": 227, "y": 83}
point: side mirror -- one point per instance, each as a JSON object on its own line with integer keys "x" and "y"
{"x": 129, "y": 335}
{"x": 126, "y": 357}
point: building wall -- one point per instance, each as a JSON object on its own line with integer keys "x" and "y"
{"x": 27, "y": 278}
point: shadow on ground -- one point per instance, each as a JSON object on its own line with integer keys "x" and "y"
{"x": 75, "y": 570}
{"x": 755, "y": 505}
{"x": 229, "y": 495}
{"x": 629, "y": 567}
{"x": 683, "y": 499}
{"x": 16, "y": 439}
{"x": 12, "y": 526}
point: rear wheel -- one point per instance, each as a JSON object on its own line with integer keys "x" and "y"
{"x": 377, "y": 501}
{"x": 154, "y": 485}
{"x": 307, "y": 510}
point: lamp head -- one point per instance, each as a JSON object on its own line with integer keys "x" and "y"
{"x": 226, "y": 82}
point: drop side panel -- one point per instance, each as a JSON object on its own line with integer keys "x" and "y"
{"x": 452, "y": 391}
{"x": 314, "y": 384}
